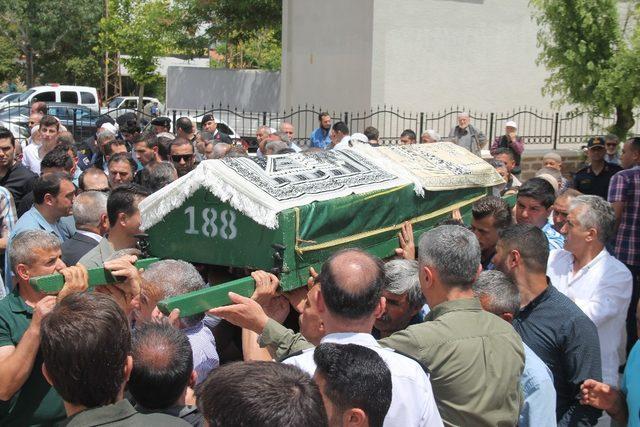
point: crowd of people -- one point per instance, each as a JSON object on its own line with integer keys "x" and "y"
{"x": 525, "y": 315}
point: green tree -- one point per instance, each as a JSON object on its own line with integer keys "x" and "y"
{"x": 246, "y": 32}
{"x": 9, "y": 67}
{"x": 48, "y": 33}
{"x": 142, "y": 31}
{"x": 592, "y": 55}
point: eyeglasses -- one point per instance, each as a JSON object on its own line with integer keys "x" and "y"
{"x": 185, "y": 157}
{"x": 611, "y": 144}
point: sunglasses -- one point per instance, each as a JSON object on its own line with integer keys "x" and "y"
{"x": 612, "y": 145}
{"x": 186, "y": 157}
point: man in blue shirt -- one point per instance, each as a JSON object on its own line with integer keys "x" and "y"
{"x": 320, "y": 137}
{"x": 53, "y": 195}
{"x": 534, "y": 205}
{"x": 622, "y": 405}
{"x": 500, "y": 296}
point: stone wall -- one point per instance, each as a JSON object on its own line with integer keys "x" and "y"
{"x": 572, "y": 161}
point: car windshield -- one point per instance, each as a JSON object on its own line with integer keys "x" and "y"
{"x": 12, "y": 97}
{"x": 25, "y": 95}
{"x": 115, "y": 102}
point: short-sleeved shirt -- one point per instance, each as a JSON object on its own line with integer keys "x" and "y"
{"x": 566, "y": 340}
{"x": 625, "y": 187}
{"x": 36, "y": 402}
{"x": 630, "y": 385}
{"x": 320, "y": 139}
{"x": 587, "y": 182}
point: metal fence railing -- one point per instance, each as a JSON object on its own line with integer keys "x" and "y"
{"x": 541, "y": 129}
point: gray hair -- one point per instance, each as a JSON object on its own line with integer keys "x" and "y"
{"x": 24, "y": 244}
{"x": 401, "y": 277}
{"x": 220, "y": 150}
{"x": 463, "y": 114}
{"x": 173, "y": 277}
{"x": 598, "y": 214}
{"x": 273, "y": 147}
{"x": 88, "y": 207}
{"x": 104, "y": 136}
{"x": 157, "y": 175}
{"x": 453, "y": 251}
{"x": 266, "y": 128}
{"x": 284, "y": 137}
{"x": 502, "y": 294}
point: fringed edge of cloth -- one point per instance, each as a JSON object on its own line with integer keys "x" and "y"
{"x": 156, "y": 207}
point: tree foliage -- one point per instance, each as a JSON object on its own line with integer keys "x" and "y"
{"x": 593, "y": 60}
{"x": 49, "y": 33}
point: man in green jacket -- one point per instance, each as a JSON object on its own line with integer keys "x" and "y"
{"x": 474, "y": 357}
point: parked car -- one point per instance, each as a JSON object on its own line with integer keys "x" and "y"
{"x": 19, "y": 131}
{"x": 9, "y": 97}
{"x": 78, "y": 119}
{"x": 80, "y": 95}
{"x": 124, "y": 104}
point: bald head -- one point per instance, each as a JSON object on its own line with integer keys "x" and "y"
{"x": 163, "y": 364}
{"x": 351, "y": 283}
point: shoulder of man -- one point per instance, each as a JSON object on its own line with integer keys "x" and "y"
{"x": 159, "y": 420}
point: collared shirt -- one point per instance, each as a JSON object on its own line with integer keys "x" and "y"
{"x": 412, "y": 402}
{"x": 94, "y": 236}
{"x": 625, "y": 188}
{"x": 320, "y": 139}
{"x": 7, "y": 222}
{"x": 189, "y": 414}
{"x": 474, "y": 357}
{"x": 36, "y": 402}
{"x": 33, "y": 220}
{"x": 203, "y": 346}
{"x": 612, "y": 158}
{"x": 539, "y": 408}
{"x": 587, "y": 182}
{"x": 602, "y": 290}
{"x": 121, "y": 414}
{"x": 630, "y": 385}
{"x": 345, "y": 142}
{"x": 470, "y": 138}
{"x": 31, "y": 158}
{"x": 556, "y": 240}
{"x": 567, "y": 342}
{"x": 19, "y": 181}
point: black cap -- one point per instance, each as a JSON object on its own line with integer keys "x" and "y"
{"x": 161, "y": 121}
{"x": 207, "y": 118}
{"x": 596, "y": 141}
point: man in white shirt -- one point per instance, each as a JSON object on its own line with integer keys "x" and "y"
{"x": 33, "y": 153}
{"x": 349, "y": 301}
{"x": 592, "y": 278}
{"x": 340, "y": 136}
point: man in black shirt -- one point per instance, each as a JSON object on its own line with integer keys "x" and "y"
{"x": 13, "y": 175}
{"x": 550, "y": 323}
{"x": 594, "y": 179}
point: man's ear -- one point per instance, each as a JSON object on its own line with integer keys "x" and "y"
{"x": 128, "y": 367}
{"x": 380, "y": 307}
{"x": 592, "y": 235}
{"x": 48, "y": 199}
{"x": 23, "y": 272}
{"x": 514, "y": 259}
{"x": 46, "y": 375}
{"x": 355, "y": 417}
{"x": 103, "y": 225}
{"x": 122, "y": 219}
{"x": 429, "y": 275}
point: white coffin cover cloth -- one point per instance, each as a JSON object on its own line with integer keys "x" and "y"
{"x": 262, "y": 187}
{"x": 435, "y": 167}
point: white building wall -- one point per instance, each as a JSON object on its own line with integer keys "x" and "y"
{"x": 418, "y": 55}
{"x": 432, "y": 54}
{"x": 326, "y": 53}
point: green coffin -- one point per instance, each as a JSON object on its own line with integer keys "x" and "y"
{"x": 206, "y": 230}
